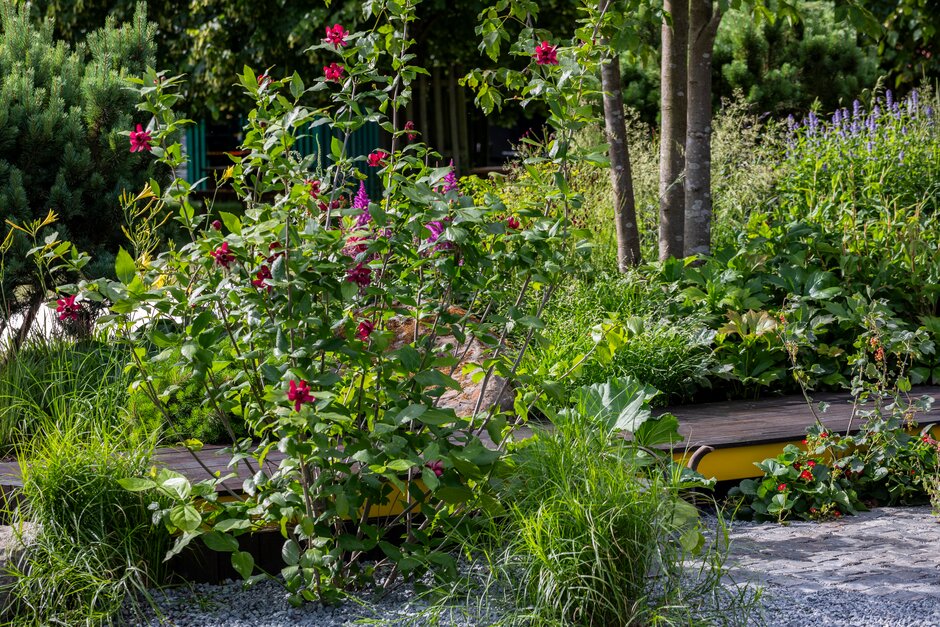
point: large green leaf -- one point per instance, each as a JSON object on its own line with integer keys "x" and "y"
{"x": 617, "y": 405}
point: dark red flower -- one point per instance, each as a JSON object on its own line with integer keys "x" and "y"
{"x": 217, "y": 225}
{"x": 376, "y": 157}
{"x": 436, "y": 466}
{"x": 410, "y": 126}
{"x": 222, "y": 255}
{"x": 263, "y": 274}
{"x": 67, "y": 308}
{"x": 781, "y": 487}
{"x": 811, "y": 464}
{"x": 513, "y": 223}
{"x": 314, "y": 186}
{"x": 336, "y": 204}
{"x": 546, "y": 54}
{"x": 140, "y": 140}
{"x": 337, "y": 35}
{"x": 360, "y": 275}
{"x": 806, "y": 475}
{"x": 299, "y": 393}
{"x": 333, "y": 72}
{"x": 365, "y": 330}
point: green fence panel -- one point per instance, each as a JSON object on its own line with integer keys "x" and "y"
{"x": 197, "y": 154}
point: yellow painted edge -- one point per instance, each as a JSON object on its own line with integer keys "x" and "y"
{"x": 737, "y": 462}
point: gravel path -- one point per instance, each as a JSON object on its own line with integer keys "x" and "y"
{"x": 881, "y": 568}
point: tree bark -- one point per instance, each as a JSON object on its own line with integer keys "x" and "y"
{"x": 673, "y": 111}
{"x": 454, "y": 130}
{"x": 438, "y": 96}
{"x": 703, "y": 25}
{"x": 621, "y": 176}
{"x": 423, "y": 123}
{"x": 463, "y": 132}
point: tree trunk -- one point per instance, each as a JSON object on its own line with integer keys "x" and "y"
{"x": 628, "y": 235}
{"x": 703, "y": 25}
{"x": 439, "y": 139}
{"x": 463, "y": 133}
{"x": 423, "y": 123}
{"x": 454, "y": 130}
{"x": 673, "y": 111}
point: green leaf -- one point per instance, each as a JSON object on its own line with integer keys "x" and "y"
{"x": 296, "y": 86}
{"x": 221, "y": 542}
{"x": 660, "y": 430}
{"x": 136, "y": 484}
{"x": 185, "y": 517}
{"x": 232, "y": 524}
{"x": 243, "y": 563}
{"x": 231, "y": 222}
{"x": 290, "y": 552}
{"x": 124, "y": 267}
{"x": 619, "y": 404}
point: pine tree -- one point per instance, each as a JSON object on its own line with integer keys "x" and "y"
{"x": 62, "y": 114}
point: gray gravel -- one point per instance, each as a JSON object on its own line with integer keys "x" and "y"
{"x": 879, "y": 569}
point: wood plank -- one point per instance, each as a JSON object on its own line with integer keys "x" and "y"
{"x": 720, "y": 425}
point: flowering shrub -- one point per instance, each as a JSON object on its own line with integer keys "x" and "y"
{"x": 287, "y": 316}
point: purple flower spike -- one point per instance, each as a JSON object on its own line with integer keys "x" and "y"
{"x": 889, "y": 99}
{"x": 856, "y": 109}
{"x": 361, "y": 201}
{"x": 450, "y": 179}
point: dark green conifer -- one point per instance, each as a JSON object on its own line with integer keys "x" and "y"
{"x": 62, "y": 114}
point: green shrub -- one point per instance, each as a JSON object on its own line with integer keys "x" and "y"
{"x": 64, "y": 118}
{"x": 96, "y": 544}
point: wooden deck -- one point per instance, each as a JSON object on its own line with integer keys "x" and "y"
{"x": 772, "y": 420}
{"x": 741, "y": 432}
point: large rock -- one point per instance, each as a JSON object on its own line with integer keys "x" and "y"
{"x": 473, "y": 351}
{"x": 13, "y": 542}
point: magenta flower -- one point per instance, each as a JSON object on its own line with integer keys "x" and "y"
{"x": 223, "y": 256}
{"x": 437, "y": 228}
{"x": 436, "y": 466}
{"x": 333, "y": 72}
{"x": 376, "y": 157}
{"x": 360, "y": 275}
{"x": 410, "y": 126}
{"x": 140, "y": 140}
{"x": 67, "y": 308}
{"x": 365, "y": 330}
{"x": 217, "y": 225}
{"x": 314, "y": 186}
{"x": 450, "y": 179}
{"x": 513, "y": 223}
{"x": 274, "y": 251}
{"x": 546, "y": 54}
{"x": 337, "y": 35}
{"x": 262, "y": 275}
{"x": 361, "y": 201}
{"x": 299, "y": 393}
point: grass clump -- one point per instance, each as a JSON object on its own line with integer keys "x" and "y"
{"x": 595, "y": 532}
{"x": 96, "y": 544}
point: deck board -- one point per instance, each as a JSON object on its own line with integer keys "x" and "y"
{"x": 780, "y": 419}
{"x": 719, "y": 425}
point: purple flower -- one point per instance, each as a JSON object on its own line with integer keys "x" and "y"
{"x": 889, "y": 98}
{"x": 437, "y": 228}
{"x": 812, "y": 123}
{"x": 361, "y": 201}
{"x": 856, "y": 109}
{"x": 450, "y": 179}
